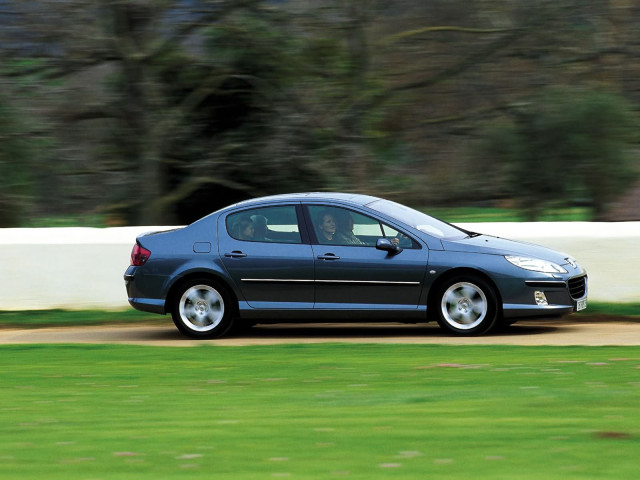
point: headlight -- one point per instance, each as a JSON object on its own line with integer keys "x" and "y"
{"x": 535, "y": 265}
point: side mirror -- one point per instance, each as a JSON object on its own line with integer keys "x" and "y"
{"x": 386, "y": 245}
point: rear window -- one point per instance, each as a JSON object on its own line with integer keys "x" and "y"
{"x": 267, "y": 224}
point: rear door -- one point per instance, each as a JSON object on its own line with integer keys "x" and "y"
{"x": 263, "y": 251}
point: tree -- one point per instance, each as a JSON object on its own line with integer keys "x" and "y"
{"x": 161, "y": 110}
{"x": 604, "y": 128}
{"x": 565, "y": 145}
{"x": 190, "y": 99}
{"x": 389, "y": 72}
{"x": 14, "y": 168}
{"x": 251, "y": 134}
{"x": 144, "y": 61}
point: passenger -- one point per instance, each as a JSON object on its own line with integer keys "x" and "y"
{"x": 260, "y": 228}
{"x": 326, "y": 227}
{"x": 344, "y": 234}
{"x": 243, "y": 229}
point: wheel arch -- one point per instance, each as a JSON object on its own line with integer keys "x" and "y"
{"x": 212, "y": 276}
{"x": 433, "y": 300}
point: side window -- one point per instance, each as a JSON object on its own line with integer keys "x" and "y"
{"x": 268, "y": 224}
{"x": 340, "y": 226}
{"x": 403, "y": 241}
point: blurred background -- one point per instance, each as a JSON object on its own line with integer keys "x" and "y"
{"x": 157, "y": 112}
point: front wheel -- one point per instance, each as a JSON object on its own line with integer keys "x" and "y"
{"x": 202, "y": 310}
{"x": 467, "y": 306}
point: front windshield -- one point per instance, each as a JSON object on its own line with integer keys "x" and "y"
{"x": 418, "y": 220}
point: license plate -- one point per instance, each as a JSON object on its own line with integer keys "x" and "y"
{"x": 581, "y": 305}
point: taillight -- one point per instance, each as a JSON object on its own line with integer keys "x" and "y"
{"x": 139, "y": 255}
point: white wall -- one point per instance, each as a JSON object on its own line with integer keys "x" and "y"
{"x": 69, "y": 268}
{"x": 82, "y": 268}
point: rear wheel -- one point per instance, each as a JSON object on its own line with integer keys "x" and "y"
{"x": 467, "y": 306}
{"x": 202, "y": 309}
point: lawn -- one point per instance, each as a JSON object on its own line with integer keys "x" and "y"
{"x": 319, "y": 411}
{"x": 59, "y": 318}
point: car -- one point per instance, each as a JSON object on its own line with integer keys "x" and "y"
{"x": 344, "y": 257}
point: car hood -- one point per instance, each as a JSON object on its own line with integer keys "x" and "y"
{"x": 501, "y": 246}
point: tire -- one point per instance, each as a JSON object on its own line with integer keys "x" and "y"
{"x": 202, "y": 309}
{"x": 467, "y": 306}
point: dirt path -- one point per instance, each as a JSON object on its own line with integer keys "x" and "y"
{"x": 525, "y": 333}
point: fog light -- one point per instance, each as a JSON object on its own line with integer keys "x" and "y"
{"x": 541, "y": 298}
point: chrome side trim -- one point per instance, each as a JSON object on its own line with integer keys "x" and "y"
{"x": 275, "y": 280}
{"x": 367, "y": 282}
{"x": 340, "y": 282}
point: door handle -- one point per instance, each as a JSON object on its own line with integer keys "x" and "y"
{"x": 328, "y": 256}
{"x": 235, "y": 254}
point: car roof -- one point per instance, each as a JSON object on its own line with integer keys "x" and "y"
{"x": 353, "y": 198}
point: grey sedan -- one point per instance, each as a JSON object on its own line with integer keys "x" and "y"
{"x": 338, "y": 256}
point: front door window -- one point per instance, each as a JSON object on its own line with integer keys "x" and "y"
{"x": 340, "y": 226}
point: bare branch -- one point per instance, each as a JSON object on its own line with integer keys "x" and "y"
{"x": 452, "y": 71}
{"x": 205, "y": 21}
{"x": 443, "y": 28}
{"x": 194, "y": 183}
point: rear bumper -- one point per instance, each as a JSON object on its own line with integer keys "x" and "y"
{"x": 137, "y": 299}
{"x": 151, "y": 305}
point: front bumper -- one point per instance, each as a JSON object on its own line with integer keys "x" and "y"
{"x": 563, "y": 296}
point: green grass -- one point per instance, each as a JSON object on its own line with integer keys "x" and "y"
{"x": 630, "y": 311}
{"x": 88, "y": 220}
{"x": 485, "y": 214}
{"x": 60, "y": 318}
{"x": 319, "y": 411}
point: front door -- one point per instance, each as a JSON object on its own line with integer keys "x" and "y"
{"x": 352, "y": 274}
